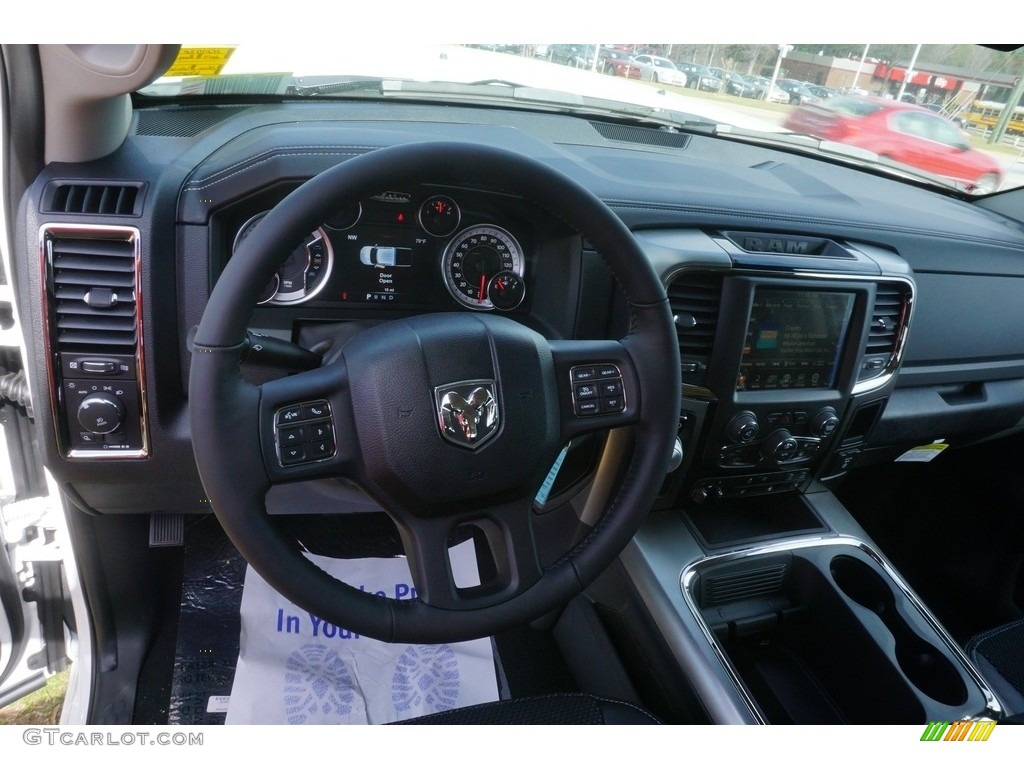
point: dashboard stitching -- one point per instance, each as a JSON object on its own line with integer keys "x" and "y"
{"x": 274, "y": 151}
{"x": 267, "y": 159}
{"x": 640, "y": 205}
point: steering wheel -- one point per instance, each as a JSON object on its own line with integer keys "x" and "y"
{"x": 446, "y": 420}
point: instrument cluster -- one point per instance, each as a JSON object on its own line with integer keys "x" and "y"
{"x": 401, "y": 249}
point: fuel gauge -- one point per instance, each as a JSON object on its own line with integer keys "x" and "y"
{"x": 506, "y": 290}
{"x": 439, "y": 215}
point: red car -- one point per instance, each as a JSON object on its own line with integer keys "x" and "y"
{"x": 620, "y": 63}
{"x": 902, "y": 132}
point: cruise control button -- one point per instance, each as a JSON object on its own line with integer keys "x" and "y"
{"x": 611, "y": 388}
{"x": 612, "y": 404}
{"x": 587, "y": 407}
{"x": 586, "y": 390}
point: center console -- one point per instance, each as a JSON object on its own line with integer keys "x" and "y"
{"x": 800, "y": 369}
{"x": 773, "y": 602}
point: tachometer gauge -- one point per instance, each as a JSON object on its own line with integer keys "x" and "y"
{"x": 473, "y": 258}
{"x": 302, "y": 275}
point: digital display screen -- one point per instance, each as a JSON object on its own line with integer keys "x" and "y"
{"x": 383, "y": 265}
{"x": 794, "y": 339}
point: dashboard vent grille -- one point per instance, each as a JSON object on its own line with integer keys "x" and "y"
{"x": 99, "y": 199}
{"x": 695, "y": 298}
{"x": 181, "y": 122}
{"x": 642, "y": 135}
{"x": 885, "y": 318}
{"x": 94, "y": 303}
{"x": 742, "y": 585}
{"x": 888, "y": 315}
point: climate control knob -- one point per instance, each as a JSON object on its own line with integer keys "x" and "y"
{"x": 824, "y": 422}
{"x": 100, "y": 413}
{"x": 742, "y": 427}
{"x": 779, "y": 446}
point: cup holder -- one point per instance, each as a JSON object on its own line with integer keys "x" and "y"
{"x": 923, "y": 664}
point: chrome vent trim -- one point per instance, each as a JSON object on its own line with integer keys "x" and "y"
{"x": 887, "y": 334}
{"x": 92, "y": 305}
{"x": 120, "y": 199}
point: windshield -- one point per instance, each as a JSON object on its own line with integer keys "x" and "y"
{"x": 873, "y": 99}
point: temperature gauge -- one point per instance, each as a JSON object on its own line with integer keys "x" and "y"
{"x": 506, "y": 290}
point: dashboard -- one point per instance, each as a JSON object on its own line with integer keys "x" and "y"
{"x": 826, "y": 317}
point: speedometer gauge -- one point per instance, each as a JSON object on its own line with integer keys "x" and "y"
{"x": 473, "y": 257}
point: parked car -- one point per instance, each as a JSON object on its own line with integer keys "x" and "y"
{"x": 700, "y": 77}
{"x": 572, "y": 54}
{"x": 725, "y": 426}
{"x": 901, "y": 132}
{"x": 821, "y": 91}
{"x": 798, "y": 92}
{"x": 658, "y": 69}
{"x": 740, "y": 85}
{"x": 620, "y": 63}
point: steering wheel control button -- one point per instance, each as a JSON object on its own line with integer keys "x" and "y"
{"x": 289, "y": 415}
{"x": 317, "y": 410}
{"x": 292, "y": 435}
{"x": 602, "y": 391}
{"x": 309, "y": 440}
{"x": 293, "y": 454}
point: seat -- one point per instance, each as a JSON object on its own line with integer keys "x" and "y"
{"x": 999, "y": 655}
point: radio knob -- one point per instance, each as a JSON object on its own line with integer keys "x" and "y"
{"x": 780, "y": 445}
{"x": 742, "y": 428}
{"x": 824, "y": 422}
{"x": 100, "y": 413}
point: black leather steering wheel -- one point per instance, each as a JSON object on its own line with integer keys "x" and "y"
{"x": 384, "y": 404}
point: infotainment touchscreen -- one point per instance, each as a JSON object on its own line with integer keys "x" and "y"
{"x": 794, "y": 339}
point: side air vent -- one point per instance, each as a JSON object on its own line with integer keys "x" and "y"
{"x": 96, "y": 199}
{"x": 888, "y": 317}
{"x": 94, "y": 342}
{"x": 94, "y": 288}
{"x": 694, "y": 298}
{"x": 642, "y": 135}
{"x": 733, "y": 585}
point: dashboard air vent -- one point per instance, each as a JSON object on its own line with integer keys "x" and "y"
{"x": 730, "y": 586}
{"x": 888, "y": 316}
{"x": 98, "y": 199}
{"x": 93, "y": 284}
{"x": 694, "y": 298}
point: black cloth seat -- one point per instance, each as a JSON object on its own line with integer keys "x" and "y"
{"x": 552, "y": 709}
{"x": 999, "y": 656}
